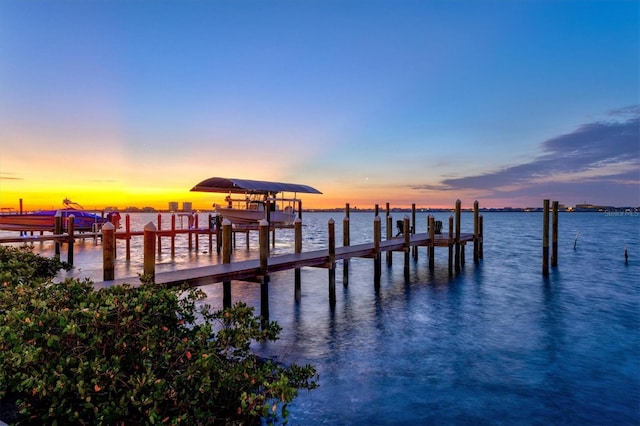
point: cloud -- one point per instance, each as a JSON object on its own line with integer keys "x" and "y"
{"x": 9, "y": 176}
{"x": 599, "y": 159}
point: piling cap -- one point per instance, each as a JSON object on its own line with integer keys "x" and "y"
{"x": 264, "y": 222}
{"x": 226, "y": 222}
{"x": 108, "y": 227}
{"x": 150, "y": 227}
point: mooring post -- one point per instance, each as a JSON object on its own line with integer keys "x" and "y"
{"x": 476, "y": 232}
{"x": 545, "y": 238}
{"x": 70, "y": 225}
{"x": 407, "y": 246}
{"x": 149, "y": 250}
{"x": 297, "y": 227}
{"x": 332, "y": 262}
{"x": 347, "y": 209}
{"x": 108, "y": 244}
{"x": 414, "y": 227}
{"x": 388, "y": 209}
{"x": 554, "y": 234}
{"x": 389, "y": 236}
{"x": 377, "y": 266}
{"x": 458, "y": 207}
{"x": 450, "y": 244}
{"x": 432, "y": 243}
{"x": 346, "y": 241}
{"x": 264, "y": 271}
{"x": 173, "y": 234}
{"x": 376, "y": 210}
{"x": 226, "y": 258}
{"x": 58, "y": 231}
{"x": 158, "y": 234}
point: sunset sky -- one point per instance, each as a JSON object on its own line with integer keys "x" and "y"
{"x": 131, "y": 103}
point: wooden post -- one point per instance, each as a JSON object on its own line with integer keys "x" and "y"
{"x": 346, "y": 241}
{"x": 554, "y": 235}
{"x": 545, "y": 238}
{"x": 450, "y": 243}
{"x": 481, "y": 244}
{"x": 173, "y": 234}
{"x": 347, "y": 209}
{"x": 414, "y": 227}
{"x": 376, "y": 210}
{"x": 300, "y": 209}
{"x": 210, "y": 234}
{"x": 127, "y": 237}
{"x": 58, "y": 230}
{"x": 196, "y": 227}
{"x": 407, "y": 246}
{"x": 432, "y": 237}
{"x": 218, "y": 233}
{"x": 158, "y": 234}
{"x": 150, "y": 250}
{"x": 389, "y": 236}
{"x": 476, "y": 232}
{"x": 332, "y": 262}
{"x": 377, "y": 267}
{"x": 458, "y": 205}
{"x": 190, "y": 225}
{"x": 108, "y": 245}
{"x": 226, "y": 258}
{"x": 21, "y": 206}
{"x": 264, "y": 270}
{"x": 297, "y": 227}
{"x": 71, "y": 239}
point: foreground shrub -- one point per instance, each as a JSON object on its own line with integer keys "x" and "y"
{"x": 136, "y": 355}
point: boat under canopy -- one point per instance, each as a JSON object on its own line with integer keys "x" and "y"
{"x": 246, "y": 186}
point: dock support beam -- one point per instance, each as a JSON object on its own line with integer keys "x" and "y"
{"x": 150, "y": 250}
{"x": 545, "y": 238}
{"x": 226, "y": 258}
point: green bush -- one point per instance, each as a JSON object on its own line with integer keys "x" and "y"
{"x": 135, "y": 355}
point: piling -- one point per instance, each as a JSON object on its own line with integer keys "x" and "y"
{"x": 58, "y": 230}
{"x": 476, "y": 232}
{"x": 432, "y": 237}
{"x": 226, "y": 258}
{"x": 407, "y": 247}
{"x": 108, "y": 246}
{"x": 346, "y": 241}
{"x": 264, "y": 271}
{"x": 297, "y": 226}
{"x": 71, "y": 239}
{"x": 377, "y": 266}
{"x": 450, "y": 245}
{"x": 389, "y": 236}
{"x": 332, "y": 262}
{"x": 197, "y": 234}
{"x": 545, "y": 238}
{"x": 554, "y": 234}
{"x": 457, "y": 237}
{"x": 413, "y": 228}
{"x": 173, "y": 235}
{"x": 149, "y": 250}
{"x": 480, "y": 243}
{"x": 159, "y": 237}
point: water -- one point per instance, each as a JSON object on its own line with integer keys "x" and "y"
{"x": 497, "y": 343}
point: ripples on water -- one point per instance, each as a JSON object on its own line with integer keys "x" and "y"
{"x": 495, "y": 344}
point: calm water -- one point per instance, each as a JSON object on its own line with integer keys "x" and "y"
{"x": 495, "y": 344}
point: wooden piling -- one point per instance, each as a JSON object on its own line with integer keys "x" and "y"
{"x": 480, "y": 243}
{"x": 332, "y": 262}
{"x": 389, "y": 236}
{"x": 545, "y": 238}
{"x": 432, "y": 247}
{"x": 159, "y": 236}
{"x": 554, "y": 234}
{"x": 346, "y": 241}
{"x": 71, "y": 240}
{"x": 226, "y": 258}
{"x": 173, "y": 235}
{"x": 127, "y": 240}
{"x": 450, "y": 245}
{"x": 377, "y": 266}
{"x": 476, "y": 232}
{"x": 149, "y": 250}
{"x": 407, "y": 246}
{"x": 264, "y": 271}
{"x": 297, "y": 226}
{"x": 457, "y": 237}
{"x": 196, "y": 226}
{"x": 414, "y": 228}
{"x": 347, "y": 209}
{"x": 58, "y": 230}
{"x": 210, "y": 234}
{"x": 108, "y": 245}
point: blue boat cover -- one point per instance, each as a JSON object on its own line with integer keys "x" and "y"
{"x": 242, "y": 186}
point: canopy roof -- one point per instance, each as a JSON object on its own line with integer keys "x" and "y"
{"x": 242, "y": 186}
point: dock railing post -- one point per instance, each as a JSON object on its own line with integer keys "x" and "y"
{"x": 458, "y": 208}
{"x": 346, "y": 241}
{"x": 264, "y": 270}
{"x": 108, "y": 244}
{"x": 297, "y": 226}
{"x": 554, "y": 234}
{"x": 226, "y": 258}
{"x": 545, "y": 238}
{"x": 389, "y": 236}
{"x": 476, "y": 231}
{"x": 70, "y": 226}
{"x": 150, "y": 250}
{"x": 332, "y": 262}
{"x": 377, "y": 267}
{"x": 407, "y": 246}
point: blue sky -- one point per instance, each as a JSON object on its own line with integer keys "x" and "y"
{"x": 424, "y": 102}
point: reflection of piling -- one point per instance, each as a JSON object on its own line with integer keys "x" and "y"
{"x": 554, "y": 234}
{"x": 545, "y": 238}
{"x": 626, "y": 256}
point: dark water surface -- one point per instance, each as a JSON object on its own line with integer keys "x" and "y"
{"x": 497, "y": 343}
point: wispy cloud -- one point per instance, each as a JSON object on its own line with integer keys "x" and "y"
{"x": 9, "y": 176}
{"x": 597, "y": 161}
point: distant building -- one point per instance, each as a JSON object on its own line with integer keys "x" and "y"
{"x": 187, "y": 206}
{"x": 173, "y": 206}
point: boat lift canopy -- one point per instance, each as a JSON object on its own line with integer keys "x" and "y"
{"x": 243, "y": 186}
